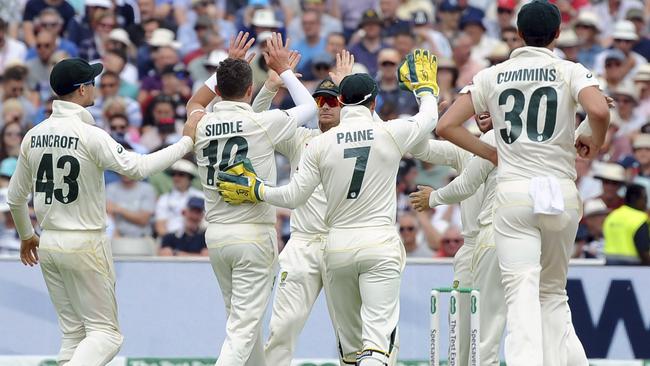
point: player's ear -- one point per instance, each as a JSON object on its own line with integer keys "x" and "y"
{"x": 557, "y": 33}
{"x": 249, "y": 91}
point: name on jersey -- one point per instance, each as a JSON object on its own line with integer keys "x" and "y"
{"x": 223, "y": 128}
{"x": 63, "y": 142}
{"x": 540, "y": 74}
{"x": 355, "y": 136}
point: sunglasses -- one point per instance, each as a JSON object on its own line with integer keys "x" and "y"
{"x": 504, "y": 11}
{"x": 388, "y": 64}
{"x": 91, "y": 82}
{"x": 50, "y": 24}
{"x": 449, "y": 241}
{"x": 44, "y": 45}
{"x": 612, "y": 64}
{"x": 322, "y": 67}
{"x": 623, "y": 41}
{"x": 406, "y": 228}
{"x": 331, "y": 101}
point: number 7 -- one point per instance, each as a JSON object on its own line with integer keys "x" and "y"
{"x": 361, "y": 154}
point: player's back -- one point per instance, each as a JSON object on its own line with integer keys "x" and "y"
{"x": 66, "y": 172}
{"x": 359, "y": 160}
{"x": 233, "y": 131}
{"x": 532, "y": 98}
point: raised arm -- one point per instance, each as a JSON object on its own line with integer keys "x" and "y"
{"x": 272, "y": 84}
{"x": 112, "y": 156}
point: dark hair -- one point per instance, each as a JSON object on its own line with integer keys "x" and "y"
{"x": 510, "y": 28}
{"x": 235, "y": 77}
{"x": 108, "y": 73}
{"x": 3, "y": 148}
{"x": 119, "y": 53}
{"x": 539, "y": 41}
{"x": 17, "y": 72}
{"x": 633, "y": 193}
{"x": 405, "y": 32}
{"x": 118, "y": 115}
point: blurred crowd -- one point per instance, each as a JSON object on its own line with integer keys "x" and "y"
{"x": 157, "y": 52}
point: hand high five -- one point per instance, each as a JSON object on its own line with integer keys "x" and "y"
{"x": 277, "y": 56}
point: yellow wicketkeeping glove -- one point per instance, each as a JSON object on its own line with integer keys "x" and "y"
{"x": 238, "y": 183}
{"x": 418, "y": 72}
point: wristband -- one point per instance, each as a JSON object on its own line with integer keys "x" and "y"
{"x": 196, "y": 110}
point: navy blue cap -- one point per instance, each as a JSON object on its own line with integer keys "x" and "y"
{"x": 449, "y": 6}
{"x": 196, "y": 203}
{"x": 472, "y": 16}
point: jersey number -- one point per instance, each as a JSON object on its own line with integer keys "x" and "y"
{"x": 514, "y": 115}
{"x": 45, "y": 178}
{"x": 212, "y": 150}
{"x": 361, "y": 154}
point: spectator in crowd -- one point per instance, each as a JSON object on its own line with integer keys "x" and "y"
{"x": 207, "y": 39}
{"x": 12, "y": 112}
{"x": 11, "y": 135}
{"x": 610, "y": 12}
{"x": 313, "y": 42}
{"x": 264, "y": 20}
{"x": 569, "y": 44}
{"x": 612, "y": 176}
{"x": 642, "y": 84}
{"x": 160, "y": 39}
{"x": 177, "y": 85}
{"x": 352, "y": 14}
{"x": 201, "y": 69}
{"x": 406, "y": 176}
{"x": 334, "y": 43}
{"x": 391, "y": 24}
{"x": 81, "y": 27}
{"x": 14, "y": 86}
{"x": 510, "y": 35}
{"x": 51, "y": 22}
{"x": 499, "y": 53}
{"x": 11, "y": 50}
{"x": 505, "y": 18}
{"x": 449, "y": 13}
{"x": 447, "y": 79}
{"x": 319, "y": 69}
{"x": 462, "y": 56}
{"x": 389, "y": 91}
{"x": 34, "y": 7}
{"x": 614, "y": 73}
{"x": 118, "y": 42}
{"x": 93, "y": 46}
{"x": 160, "y": 126}
{"x": 413, "y": 239}
{"x": 169, "y": 209}
{"x": 404, "y": 42}
{"x": 624, "y": 39}
{"x": 472, "y": 25}
{"x": 131, "y": 204}
{"x": 328, "y": 23}
{"x": 190, "y": 32}
{"x": 190, "y": 239}
{"x": 40, "y": 66}
{"x": 587, "y": 28}
{"x": 627, "y": 98}
{"x": 109, "y": 85}
{"x": 592, "y": 242}
{"x": 450, "y": 242}
{"x": 367, "y": 50}
{"x": 627, "y": 237}
{"x": 116, "y": 62}
{"x": 427, "y": 37}
{"x": 642, "y": 46}
{"x": 163, "y": 58}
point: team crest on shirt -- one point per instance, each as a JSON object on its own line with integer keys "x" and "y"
{"x": 283, "y": 278}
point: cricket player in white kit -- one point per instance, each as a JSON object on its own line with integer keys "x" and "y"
{"x": 357, "y": 162}
{"x": 242, "y": 240}
{"x": 532, "y": 98}
{"x": 63, "y": 160}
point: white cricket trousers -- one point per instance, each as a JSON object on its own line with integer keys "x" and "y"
{"x": 363, "y": 269}
{"x": 300, "y": 282}
{"x": 463, "y": 278}
{"x": 533, "y": 252}
{"x": 486, "y": 276}
{"x": 78, "y": 270}
{"x": 244, "y": 259}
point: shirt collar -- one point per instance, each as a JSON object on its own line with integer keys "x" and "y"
{"x": 225, "y": 105}
{"x": 61, "y": 108}
{"x": 529, "y": 51}
{"x": 354, "y": 112}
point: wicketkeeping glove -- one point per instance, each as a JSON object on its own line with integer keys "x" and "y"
{"x": 417, "y": 73}
{"x": 238, "y": 183}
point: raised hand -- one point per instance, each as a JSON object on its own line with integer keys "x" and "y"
{"x": 274, "y": 81}
{"x": 418, "y": 72}
{"x": 344, "y": 63}
{"x": 239, "y": 46}
{"x": 277, "y": 55}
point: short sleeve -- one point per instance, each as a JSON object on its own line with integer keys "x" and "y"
{"x": 168, "y": 241}
{"x": 211, "y": 83}
{"x": 477, "y": 92}
{"x": 580, "y": 79}
{"x": 278, "y": 124}
{"x": 148, "y": 198}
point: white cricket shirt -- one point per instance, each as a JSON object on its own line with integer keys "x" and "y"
{"x": 532, "y": 98}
